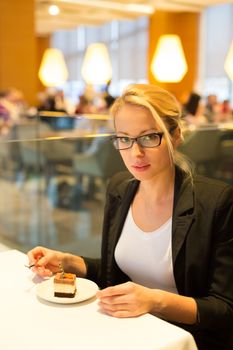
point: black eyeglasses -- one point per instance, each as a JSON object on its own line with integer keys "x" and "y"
{"x": 145, "y": 141}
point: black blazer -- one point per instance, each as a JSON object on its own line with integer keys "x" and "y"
{"x": 202, "y": 250}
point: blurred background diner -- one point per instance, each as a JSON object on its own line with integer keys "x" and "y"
{"x": 62, "y": 65}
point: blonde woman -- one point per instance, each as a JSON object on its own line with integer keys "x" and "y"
{"x": 167, "y": 245}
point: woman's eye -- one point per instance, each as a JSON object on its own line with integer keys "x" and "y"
{"x": 124, "y": 139}
{"x": 149, "y": 137}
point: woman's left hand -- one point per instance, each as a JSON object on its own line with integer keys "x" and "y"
{"x": 126, "y": 300}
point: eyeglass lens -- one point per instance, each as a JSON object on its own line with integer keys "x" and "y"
{"x": 149, "y": 140}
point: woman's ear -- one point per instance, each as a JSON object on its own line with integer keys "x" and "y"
{"x": 176, "y": 137}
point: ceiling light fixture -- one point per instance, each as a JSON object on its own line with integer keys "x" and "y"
{"x": 97, "y": 67}
{"x": 169, "y": 63}
{"x": 228, "y": 64}
{"x": 53, "y": 71}
{"x": 53, "y": 10}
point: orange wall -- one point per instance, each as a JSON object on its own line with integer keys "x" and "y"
{"x": 186, "y": 25}
{"x": 18, "y": 47}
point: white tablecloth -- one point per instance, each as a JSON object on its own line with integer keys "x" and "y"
{"x": 27, "y": 322}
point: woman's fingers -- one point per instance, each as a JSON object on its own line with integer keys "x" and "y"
{"x": 35, "y": 254}
{"x": 116, "y": 299}
{"x": 119, "y": 310}
{"x": 120, "y": 289}
{"x": 125, "y": 300}
{"x": 42, "y": 271}
{"x": 46, "y": 261}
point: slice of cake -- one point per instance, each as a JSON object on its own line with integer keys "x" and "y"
{"x": 64, "y": 285}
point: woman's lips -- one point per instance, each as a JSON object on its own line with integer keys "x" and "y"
{"x": 142, "y": 167}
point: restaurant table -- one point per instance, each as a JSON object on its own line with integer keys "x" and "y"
{"x": 29, "y": 322}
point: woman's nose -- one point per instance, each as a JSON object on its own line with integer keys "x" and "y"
{"x": 137, "y": 150}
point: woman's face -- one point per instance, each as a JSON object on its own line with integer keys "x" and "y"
{"x": 143, "y": 163}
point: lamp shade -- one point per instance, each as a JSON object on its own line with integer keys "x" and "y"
{"x": 169, "y": 63}
{"x": 53, "y": 71}
{"x": 228, "y": 64}
{"x": 96, "y": 68}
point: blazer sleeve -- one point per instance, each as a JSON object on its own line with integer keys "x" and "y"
{"x": 216, "y": 309}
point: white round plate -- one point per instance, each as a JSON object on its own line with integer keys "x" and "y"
{"x": 86, "y": 289}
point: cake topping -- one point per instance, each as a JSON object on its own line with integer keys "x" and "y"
{"x": 68, "y": 275}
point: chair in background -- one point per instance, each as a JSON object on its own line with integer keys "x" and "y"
{"x": 211, "y": 150}
{"x": 40, "y": 155}
{"x": 94, "y": 168}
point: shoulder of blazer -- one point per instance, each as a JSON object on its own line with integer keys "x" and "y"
{"x": 214, "y": 195}
{"x": 200, "y": 189}
{"x": 216, "y": 187}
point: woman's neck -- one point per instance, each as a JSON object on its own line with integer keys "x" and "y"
{"x": 153, "y": 204}
{"x": 159, "y": 188}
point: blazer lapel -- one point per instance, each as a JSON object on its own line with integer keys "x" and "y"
{"x": 180, "y": 231}
{"x": 183, "y": 216}
{"x": 124, "y": 201}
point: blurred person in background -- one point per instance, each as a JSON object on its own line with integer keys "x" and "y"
{"x": 108, "y": 98}
{"x": 53, "y": 101}
{"x": 4, "y": 114}
{"x": 212, "y": 108}
{"x": 193, "y": 110}
{"x": 13, "y": 108}
{"x": 225, "y": 114}
{"x": 84, "y": 106}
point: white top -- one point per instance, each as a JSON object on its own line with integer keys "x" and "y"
{"x": 28, "y": 322}
{"x": 146, "y": 257}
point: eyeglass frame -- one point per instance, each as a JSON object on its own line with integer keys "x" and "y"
{"x": 136, "y": 139}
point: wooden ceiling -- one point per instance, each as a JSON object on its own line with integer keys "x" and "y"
{"x": 74, "y": 13}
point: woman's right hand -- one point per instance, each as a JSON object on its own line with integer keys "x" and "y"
{"x": 47, "y": 261}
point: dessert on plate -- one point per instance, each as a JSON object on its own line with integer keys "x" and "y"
{"x": 64, "y": 285}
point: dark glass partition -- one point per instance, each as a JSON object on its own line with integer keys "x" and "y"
{"x": 53, "y": 177}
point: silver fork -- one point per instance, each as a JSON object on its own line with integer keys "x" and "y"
{"x": 29, "y": 266}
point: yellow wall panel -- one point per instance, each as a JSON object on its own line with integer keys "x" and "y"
{"x": 186, "y": 25}
{"x": 18, "y": 48}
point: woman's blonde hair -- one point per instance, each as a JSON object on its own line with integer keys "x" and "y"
{"x": 165, "y": 109}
